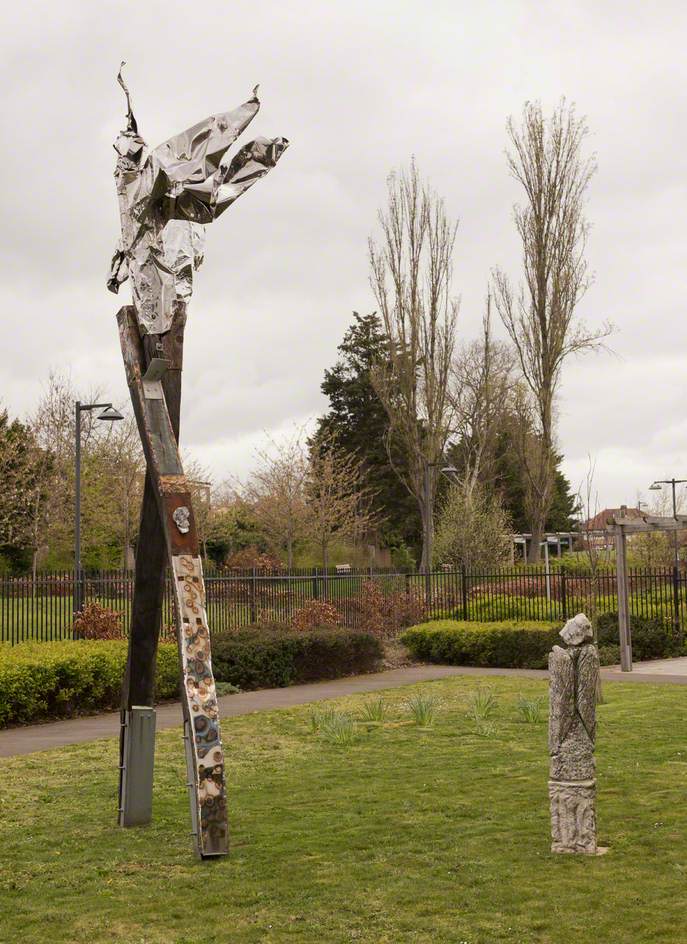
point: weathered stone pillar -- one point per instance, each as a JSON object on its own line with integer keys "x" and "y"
{"x": 574, "y": 674}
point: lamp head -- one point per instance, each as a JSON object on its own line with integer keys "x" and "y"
{"x": 110, "y": 414}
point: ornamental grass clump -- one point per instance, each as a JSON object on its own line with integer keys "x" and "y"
{"x": 482, "y": 705}
{"x": 320, "y": 716}
{"x": 338, "y": 728}
{"x": 481, "y": 708}
{"x": 531, "y": 710}
{"x": 423, "y": 709}
{"x": 374, "y": 712}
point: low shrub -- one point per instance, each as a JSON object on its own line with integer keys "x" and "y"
{"x": 316, "y": 614}
{"x": 275, "y": 657}
{"x": 59, "y": 679}
{"x": 506, "y": 644}
{"x": 384, "y": 612}
{"x": 95, "y": 621}
{"x": 609, "y": 655}
{"x": 652, "y": 638}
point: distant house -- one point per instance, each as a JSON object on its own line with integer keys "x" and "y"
{"x": 599, "y": 521}
{"x": 594, "y": 528}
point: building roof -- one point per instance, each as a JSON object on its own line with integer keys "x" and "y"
{"x": 599, "y": 521}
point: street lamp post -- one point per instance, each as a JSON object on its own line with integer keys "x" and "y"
{"x": 428, "y": 529}
{"x": 654, "y": 487}
{"x": 110, "y": 415}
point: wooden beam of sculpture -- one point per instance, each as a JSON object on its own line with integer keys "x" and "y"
{"x": 146, "y": 611}
{"x": 175, "y": 511}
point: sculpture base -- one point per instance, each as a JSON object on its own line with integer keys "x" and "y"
{"x": 136, "y": 774}
{"x": 573, "y": 816}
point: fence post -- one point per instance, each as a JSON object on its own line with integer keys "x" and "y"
{"x": 676, "y": 603}
{"x": 315, "y": 585}
{"x": 623, "y": 600}
{"x": 253, "y": 598}
{"x": 464, "y": 590}
{"x": 564, "y": 600}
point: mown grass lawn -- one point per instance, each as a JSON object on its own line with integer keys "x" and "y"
{"x": 403, "y": 836}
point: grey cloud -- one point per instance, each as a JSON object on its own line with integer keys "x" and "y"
{"x": 357, "y": 88}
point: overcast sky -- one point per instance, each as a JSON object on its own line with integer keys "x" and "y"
{"x": 357, "y": 87}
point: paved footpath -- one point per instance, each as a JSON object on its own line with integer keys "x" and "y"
{"x": 42, "y": 737}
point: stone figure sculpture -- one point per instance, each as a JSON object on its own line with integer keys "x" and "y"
{"x": 574, "y": 674}
{"x": 166, "y": 197}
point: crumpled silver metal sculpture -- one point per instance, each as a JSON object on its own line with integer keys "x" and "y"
{"x": 168, "y": 195}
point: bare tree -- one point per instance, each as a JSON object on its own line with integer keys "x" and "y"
{"x": 481, "y": 381}
{"x": 275, "y": 493}
{"x": 339, "y": 503}
{"x": 411, "y": 271}
{"x": 473, "y": 529}
{"x": 108, "y": 452}
{"x": 547, "y": 161}
{"x": 588, "y": 502}
{"x": 122, "y": 453}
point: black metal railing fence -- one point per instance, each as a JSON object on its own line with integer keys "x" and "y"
{"x": 41, "y": 608}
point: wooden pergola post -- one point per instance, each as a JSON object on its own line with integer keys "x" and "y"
{"x": 620, "y": 526}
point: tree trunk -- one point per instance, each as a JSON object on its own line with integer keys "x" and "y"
{"x": 427, "y": 517}
{"x": 534, "y": 554}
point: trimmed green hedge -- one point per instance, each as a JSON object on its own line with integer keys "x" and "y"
{"x": 518, "y": 644}
{"x": 57, "y": 679}
{"x": 262, "y": 658}
{"x": 651, "y": 638}
{"x": 506, "y": 644}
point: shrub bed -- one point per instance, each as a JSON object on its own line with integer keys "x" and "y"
{"x": 519, "y": 644}
{"x": 505, "y": 644}
{"x": 652, "y": 638}
{"x": 275, "y": 657}
{"x": 59, "y": 679}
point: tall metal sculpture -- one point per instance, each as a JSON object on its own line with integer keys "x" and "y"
{"x": 166, "y": 197}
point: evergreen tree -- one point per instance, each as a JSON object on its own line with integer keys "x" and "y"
{"x": 358, "y": 421}
{"x": 510, "y": 481}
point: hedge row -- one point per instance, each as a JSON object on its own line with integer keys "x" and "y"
{"x": 519, "y": 644}
{"x": 651, "y": 638}
{"x": 59, "y": 679}
{"x": 506, "y": 644}
{"x": 259, "y": 658}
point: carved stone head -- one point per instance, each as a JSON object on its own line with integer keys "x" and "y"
{"x": 577, "y": 631}
{"x": 182, "y": 519}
